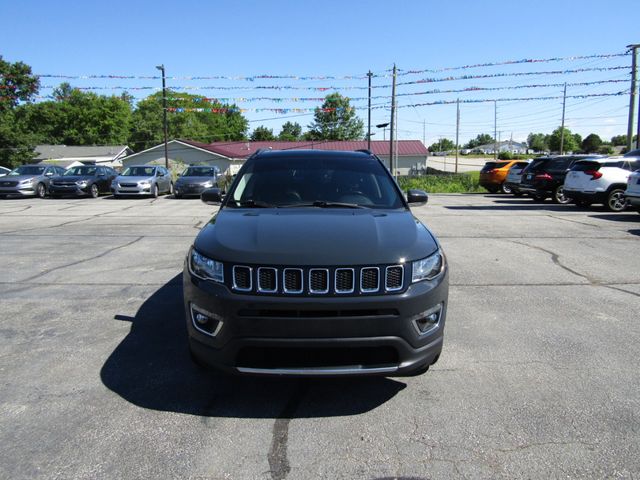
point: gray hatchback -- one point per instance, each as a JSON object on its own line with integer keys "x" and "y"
{"x": 139, "y": 180}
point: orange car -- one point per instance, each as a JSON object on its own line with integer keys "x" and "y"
{"x": 493, "y": 175}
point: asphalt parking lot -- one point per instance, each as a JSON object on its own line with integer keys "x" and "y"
{"x": 539, "y": 376}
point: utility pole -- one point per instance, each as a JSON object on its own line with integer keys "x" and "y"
{"x": 369, "y": 74}
{"x": 457, "y": 131}
{"x": 495, "y": 129}
{"x": 632, "y": 98}
{"x": 424, "y": 133}
{"x": 393, "y": 112}
{"x": 564, "y": 103}
{"x": 164, "y": 115}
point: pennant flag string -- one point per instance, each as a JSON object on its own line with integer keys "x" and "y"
{"x": 336, "y": 88}
{"x": 439, "y": 102}
{"x": 513, "y": 62}
{"x": 363, "y": 76}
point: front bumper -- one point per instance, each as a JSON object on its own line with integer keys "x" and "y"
{"x": 68, "y": 190}
{"x": 138, "y": 190}
{"x": 317, "y": 336}
{"x": 22, "y": 191}
{"x": 188, "y": 190}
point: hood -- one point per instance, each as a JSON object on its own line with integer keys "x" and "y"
{"x": 311, "y": 236}
{"x": 72, "y": 178}
{"x": 196, "y": 180}
{"x": 128, "y": 179}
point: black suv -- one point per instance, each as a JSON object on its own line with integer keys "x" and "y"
{"x": 315, "y": 266}
{"x": 544, "y": 177}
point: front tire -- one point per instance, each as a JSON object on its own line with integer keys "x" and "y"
{"x": 93, "y": 191}
{"x": 616, "y": 201}
{"x": 154, "y": 190}
{"x": 41, "y": 190}
{"x": 171, "y": 190}
{"x": 506, "y": 188}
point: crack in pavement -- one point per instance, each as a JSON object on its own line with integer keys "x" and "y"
{"x": 279, "y": 466}
{"x": 555, "y": 258}
{"x": 46, "y": 272}
{"x": 623, "y": 290}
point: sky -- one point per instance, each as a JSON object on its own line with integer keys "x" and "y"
{"x": 433, "y": 44}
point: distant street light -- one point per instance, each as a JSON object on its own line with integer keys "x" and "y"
{"x": 383, "y": 126}
{"x": 164, "y": 115}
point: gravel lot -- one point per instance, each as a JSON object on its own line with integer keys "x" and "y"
{"x": 539, "y": 377}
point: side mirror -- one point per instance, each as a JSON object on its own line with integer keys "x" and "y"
{"x": 211, "y": 196}
{"x": 417, "y": 197}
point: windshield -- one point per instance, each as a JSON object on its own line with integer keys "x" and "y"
{"x": 139, "y": 172}
{"x": 199, "y": 172}
{"x": 86, "y": 171}
{"x": 28, "y": 170}
{"x": 311, "y": 181}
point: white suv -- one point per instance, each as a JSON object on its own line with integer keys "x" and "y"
{"x": 601, "y": 180}
{"x": 632, "y": 193}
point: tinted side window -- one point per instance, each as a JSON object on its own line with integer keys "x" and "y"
{"x": 558, "y": 164}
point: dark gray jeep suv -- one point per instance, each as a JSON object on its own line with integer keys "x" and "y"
{"x": 314, "y": 265}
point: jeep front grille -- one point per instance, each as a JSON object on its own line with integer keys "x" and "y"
{"x": 318, "y": 281}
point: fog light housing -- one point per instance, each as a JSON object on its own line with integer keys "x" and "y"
{"x": 205, "y": 322}
{"x": 428, "y": 321}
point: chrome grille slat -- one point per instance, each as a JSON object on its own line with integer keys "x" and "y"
{"x": 393, "y": 278}
{"x": 344, "y": 280}
{"x": 267, "y": 280}
{"x": 319, "y": 280}
{"x": 369, "y": 279}
{"x": 242, "y": 278}
{"x": 293, "y": 280}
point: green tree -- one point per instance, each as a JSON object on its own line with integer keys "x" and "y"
{"x": 482, "y": 139}
{"x": 335, "y": 120}
{"x": 538, "y": 142}
{"x": 17, "y": 86}
{"x": 290, "y": 132}
{"x": 77, "y": 118}
{"x": 619, "y": 140}
{"x": 570, "y": 141}
{"x": 262, "y": 134}
{"x": 216, "y": 122}
{"x": 591, "y": 143}
{"x": 443, "y": 145}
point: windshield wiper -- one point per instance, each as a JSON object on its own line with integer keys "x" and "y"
{"x": 252, "y": 204}
{"x": 324, "y": 204}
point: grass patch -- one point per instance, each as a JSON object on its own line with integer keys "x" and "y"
{"x": 436, "y": 181}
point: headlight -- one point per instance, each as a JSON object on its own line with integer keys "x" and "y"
{"x": 145, "y": 183}
{"x": 82, "y": 183}
{"x": 205, "y": 268}
{"x": 208, "y": 185}
{"x": 27, "y": 181}
{"x": 428, "y": 268}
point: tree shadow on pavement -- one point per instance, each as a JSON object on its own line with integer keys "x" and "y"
{"x": 151, "y": 368}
